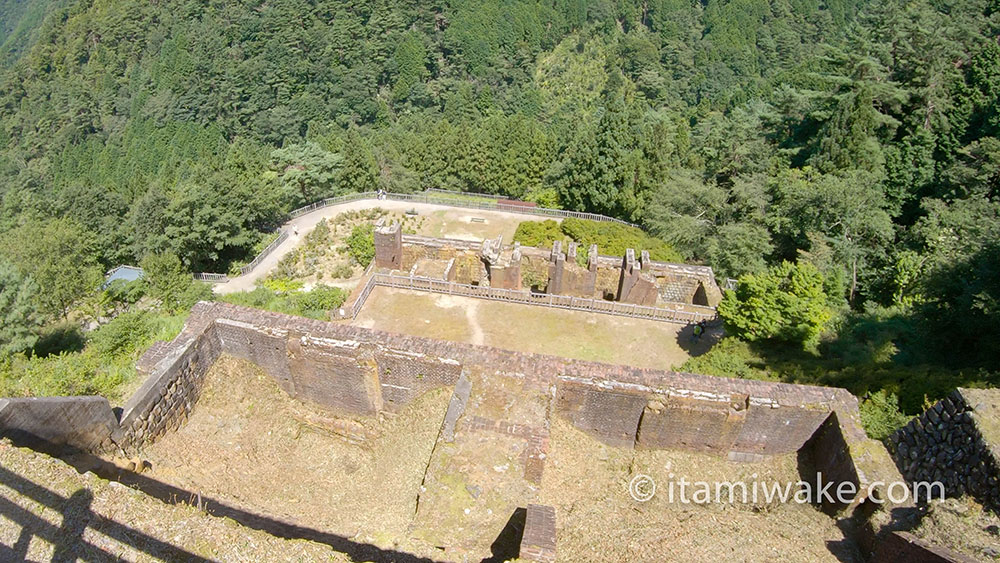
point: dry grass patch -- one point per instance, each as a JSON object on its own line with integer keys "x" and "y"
{"x": 249, "y": 443}
{"x": 597, "y": 519}
{"x": 525, "y": 328}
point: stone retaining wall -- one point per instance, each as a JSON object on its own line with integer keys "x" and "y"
{"x": 359, "y": 371}
{"x": 956, "y": 442}
{"x": 82, "y": 423}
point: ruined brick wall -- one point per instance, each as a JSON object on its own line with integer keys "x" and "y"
{"x": 611, "y": 416}
{"x": 81, "y": 423}
{"x": 956, "y": 442}
{"x": 173, "y": 384}
{"x": 538, "y": 543}
{"x": 360, "y": 372}
{"x": 388, "y": 246}
{"x": 828, "y": 454}
{"x": 405, "y": 375}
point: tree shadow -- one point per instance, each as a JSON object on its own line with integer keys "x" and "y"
{"x": 696, "y": 345}
{"x": 63, "y": 337}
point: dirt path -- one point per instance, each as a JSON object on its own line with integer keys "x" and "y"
{"x": 301, "y": 226}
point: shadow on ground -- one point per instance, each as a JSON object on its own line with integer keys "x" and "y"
{"x": 77, "y": 516}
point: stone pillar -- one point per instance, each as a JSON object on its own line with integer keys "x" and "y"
{"x": 626, "y": 277}
{"x": 556, "y": 268}
{"x": 514, "y": 270}
{"x": 633, "y": 286}
{"x": 571, "y": 251}
{"x": 590, "y": 284}
{"x": 644, "y": 262}
{"x": 389, "y": 246}
{"x": 538, "y": 543}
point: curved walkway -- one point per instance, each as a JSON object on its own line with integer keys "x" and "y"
{"x": 307, "y": 222}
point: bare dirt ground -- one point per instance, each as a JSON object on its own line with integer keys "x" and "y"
{"x": 52, "y": 512}
{"x": 462, "y": 224}
{"x": 597, "y": 519}
{"x": 249, "y": 443}
{"x": 573, "y": 334}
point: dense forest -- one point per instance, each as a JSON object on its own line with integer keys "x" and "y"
{"x": 859, "y": 139}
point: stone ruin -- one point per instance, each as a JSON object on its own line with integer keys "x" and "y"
{"x": 362, "y": 372}
{"x": 490, "y": 263}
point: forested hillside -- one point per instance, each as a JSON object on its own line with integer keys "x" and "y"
{"x": 859, "y": 137}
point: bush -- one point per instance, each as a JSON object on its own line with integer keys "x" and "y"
{"x": 538, "y": 233}
{"x": 122, "y": 336}
{"x": 318, "y": 302}
{"x": 785, "y": 303}
{"x": 282, "y": 285}
{"x": 612, "y": 239}
{"x": 361, "y": 244}
{"x": 168, "y": 281}
{"x": 104, "y": 367}
{"x": 729, "y": 358}
{"x": 314, "y": 304}
{"x": 343, "y": 271}
{"x": 126, "y": 292}
{"x": 880, "y": 414}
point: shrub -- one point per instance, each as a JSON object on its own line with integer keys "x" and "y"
{"x": 538, "y": 233}
{"x": 614, "y": 239}
{"x": 103, "y": 367}
{"x": 343, "y": 271}
{"x": 314, "y": 304}
{"x": 611, "y": 238}
{"x": 880, "y": 414}
{"x": 282, "y": 285}
{"x": 729, "y": 358}
{"x": 319, "y": 301}
{"x": 785, "y": 303}
{"x": 123, "y": 335}
{"x": 126, "y": 292}
{"x": 168, "y": 281}
{"x": 361, "y": 244}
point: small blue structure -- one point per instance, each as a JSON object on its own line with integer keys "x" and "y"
{"x": 124, "y": 273}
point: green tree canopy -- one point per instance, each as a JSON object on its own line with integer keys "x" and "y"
{"x": 19, "y": 316}
{"x": 59, "y": 255}
{"x": 787, "y": 302}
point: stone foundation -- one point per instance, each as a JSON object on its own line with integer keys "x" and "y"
{"x": 956, "y": 442}
{"x": 556, "y": 271}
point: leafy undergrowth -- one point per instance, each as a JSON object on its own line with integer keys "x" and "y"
{"x": 338, "y": 248}
{"x": 286, "y": 296}
{"x": 104, "y": 366}
{"x": 879, "y": 383}
{"x": 612, "y": 239}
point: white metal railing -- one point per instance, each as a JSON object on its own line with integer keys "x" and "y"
{"x": 697, "y": 314}
{"x": 210, "y": 277}
{"x": 263, "y": 253}
{"x": 488, "y": 202}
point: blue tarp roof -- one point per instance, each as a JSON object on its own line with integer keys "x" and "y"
{"x": 126, "y": 273}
